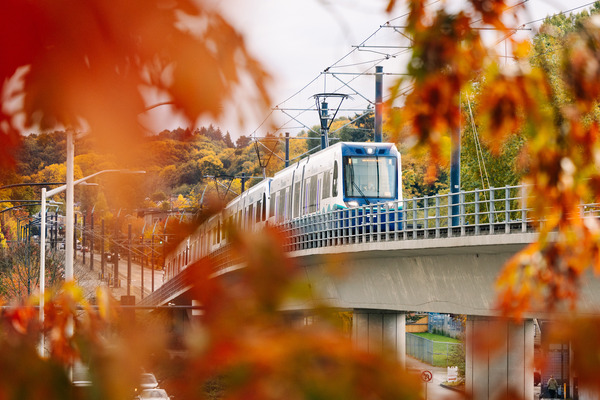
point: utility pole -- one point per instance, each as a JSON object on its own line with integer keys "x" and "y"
{"x": 378, "y": 136}
{"x": 92, "y": 241}
{"x": 69, "y": 228}
{"x": 102, "y": 249}
{"x": 142, "y": 262}
{"x": 324, "y": 115}
{"x": 116, "y": 251}
{"x": 287, "y": 149}
{"x": 129, "y": 260}
{"x": 83, "y": 242}
{"x": 152, "y": 256}
{"x": 455, "y": 175}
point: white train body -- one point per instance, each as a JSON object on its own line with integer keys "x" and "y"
{"x": 344, "y": 175}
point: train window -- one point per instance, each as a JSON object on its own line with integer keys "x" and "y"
{"x": 313, "y": 194}
{"x": 326, "y": 185}
{"x": 272, "y": 205}
{"x": 296, "y": 199}
{"x": 318, "y": 194}
{"x": 372, "y": 177}
{"x": 287, "y": 201}
{"x": 306, "y": 194}
{"x": 250, "y": 215}
{"x": 281, "y": 205}
{"x": 258, "y": 210}
{"x": 334, "y": 184}
{"x": 264, "y": 207}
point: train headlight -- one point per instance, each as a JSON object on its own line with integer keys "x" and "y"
{"x": 352, "y": 203}
{"x": 370, "y": 150}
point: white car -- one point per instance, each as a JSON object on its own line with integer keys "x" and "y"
{"x": 153, "y": 394}
{"x": 148, "y": 381}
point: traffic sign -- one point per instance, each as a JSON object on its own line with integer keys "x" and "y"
{"x": 427, "y": 376}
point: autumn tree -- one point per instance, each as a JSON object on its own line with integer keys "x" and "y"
{"x": 20, "y": 271}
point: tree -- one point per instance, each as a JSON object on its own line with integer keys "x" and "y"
{"x": 560, "y": 136}
{"x": 86, "y": 61}
{"x": 242, "y": 142}
{"x": 20, "y": 271}
{"x": 228, "y": 141}
{"x": 245, "y": 340}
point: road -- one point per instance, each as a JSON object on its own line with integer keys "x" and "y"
{"x": 90, "y": 279}
{"x": 433, "y": 389}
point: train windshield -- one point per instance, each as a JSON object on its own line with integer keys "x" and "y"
{"x": 370, "y": 177}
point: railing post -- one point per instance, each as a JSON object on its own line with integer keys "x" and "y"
{"x": 404, "y": 218}
{"x": 461, "y": 196}
{"x": 450, "y": 215}
{"x": 492, "y": 210}
{"x": 426, "y": 217}
{"x": 507, "y": 210}
{"x": 414, "y": 218}
{"x": 437, "y": 216}
{"x": 523, "y": 208}
{"x": 476, "y": 211}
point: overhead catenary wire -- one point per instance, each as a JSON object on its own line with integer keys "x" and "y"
{"x": 478, "y": 150}
{"x": 364, "y": 45}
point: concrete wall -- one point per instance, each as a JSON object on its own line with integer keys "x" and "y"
{"x": 380, "y": 332}
{"x": 499, "y": 359}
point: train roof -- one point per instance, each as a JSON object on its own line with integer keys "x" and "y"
{"x": 344, "y": 146}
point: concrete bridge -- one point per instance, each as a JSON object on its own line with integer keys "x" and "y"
{"x": 417, "y": 256}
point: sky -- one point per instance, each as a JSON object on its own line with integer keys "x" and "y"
{"x": 296, "y": 40}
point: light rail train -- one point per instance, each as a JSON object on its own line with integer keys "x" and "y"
{"x": 344, "y": 175}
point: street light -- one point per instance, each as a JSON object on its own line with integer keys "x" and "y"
{"x": 68, "y": 238}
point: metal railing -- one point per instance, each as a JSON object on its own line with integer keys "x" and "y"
{"x": 481, "y": 212}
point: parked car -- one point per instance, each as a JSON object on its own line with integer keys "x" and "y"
{"x": 148, "y": 381}
{"x": 153, "y": 394}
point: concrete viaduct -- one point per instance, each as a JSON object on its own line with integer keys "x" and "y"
{"x": 425, "y": 265}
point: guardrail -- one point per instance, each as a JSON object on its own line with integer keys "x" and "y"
{"x": 477, "y": 212}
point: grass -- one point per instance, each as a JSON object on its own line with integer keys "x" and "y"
{"x": 437, "y": 338}
{"x": 440, "y": 349}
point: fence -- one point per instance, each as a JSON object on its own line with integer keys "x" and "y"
{"x": 444, "y": 324}
{"x": 433, "y": 353}
{"x": 468, "y": 213}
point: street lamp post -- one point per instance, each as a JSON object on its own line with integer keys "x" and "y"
{"x": 69, "y": 227}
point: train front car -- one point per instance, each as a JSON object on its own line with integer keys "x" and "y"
{"x": 371, "y": 174}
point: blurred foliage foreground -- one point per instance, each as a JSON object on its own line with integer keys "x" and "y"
{"x": 243, "y": 347}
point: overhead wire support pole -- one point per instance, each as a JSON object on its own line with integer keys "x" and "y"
{"x": 287, "y": 149}
{"x": 69, "y": 228}
{"x": 378, "y": 136}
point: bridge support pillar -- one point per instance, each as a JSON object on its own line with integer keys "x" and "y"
{"x": 499, "y": 358}
{"x": 377, "y": 331}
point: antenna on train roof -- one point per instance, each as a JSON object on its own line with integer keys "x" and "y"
{"x": 323, "y": 108}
